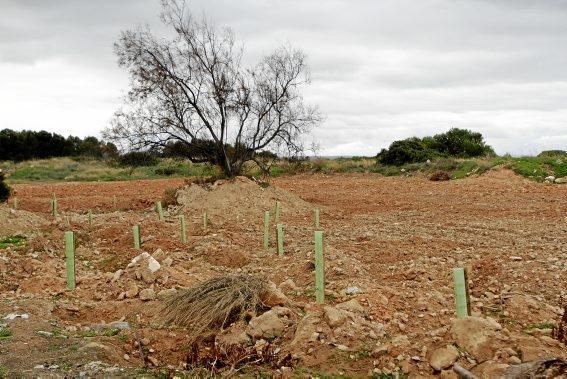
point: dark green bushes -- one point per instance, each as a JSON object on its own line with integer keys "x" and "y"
{"x": 458, "y": 143}
{"x": 4, "y": 189}
{"x": 138, "y": 159}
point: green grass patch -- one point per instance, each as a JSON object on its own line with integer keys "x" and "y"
{"x": 68, "y": 169}
{"x": 12, "y": 241}
{"x": 5, "y": 333}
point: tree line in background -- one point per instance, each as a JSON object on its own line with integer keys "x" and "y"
{"x": 24, "y": 145}
{"x": 458, "y": 143}
{"x": 27, "y": 144}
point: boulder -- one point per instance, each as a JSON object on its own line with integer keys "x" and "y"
{"x": 444, "y": 357}
{"x": 476, "y": 335}
{"x": 267, "y": 325}
{"x": 561, "y": 180}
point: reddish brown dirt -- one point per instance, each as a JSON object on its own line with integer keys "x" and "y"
{"x": 396, "y": 238}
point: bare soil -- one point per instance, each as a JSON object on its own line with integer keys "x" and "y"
{"x": 395, "y": 238}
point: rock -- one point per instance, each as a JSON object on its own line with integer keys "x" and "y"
{"x": 13, "y": 316}
{"x": 530, "y": 348}
{"x": 43, "y": 333}
{"x": 491, "y": 370}
{"x": 164, "y": 294}
{"x": 147, "y": 275}
{"x": 476, "y": 335}
{"x": 126, "y": 357}
{"x": 116, "y": 276}
{"x": 288, "y": 286}
{"x": 514, "y": 360}
{"x": 273, "y": 296}
{"x": 167, "y": 262}
{"x": 352, "y": 306}
{"x": 444, "y": 357}
{"x": 304, "y": 331}
{"x": 132, "y": 291}
{"x": 352, "y": 290}
{"x": 122, "y": 325}
{"x": 515, "y": 258}
{"x": 145, "y": 341}
{"x": 561, "y": 180}
{"x": 153, "y": 360}
{"x": 267, "y": 325}
{"x": 448, "y": 374}
{"x": 335, "y": 317}
{"x": 550, "y": 178}
{"x": 146, "y": 260}
{"x": 95, "y": 346}
{"x": 380, "y": 350}
{"x": 147, "y": 294}
{"x": 235, "y": 335}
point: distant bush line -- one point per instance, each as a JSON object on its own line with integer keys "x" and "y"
{"x": 456, "y": 143}
{"x": 24, "y": 145}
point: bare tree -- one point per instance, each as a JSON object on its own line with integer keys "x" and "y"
{"x": 194, "y": 87}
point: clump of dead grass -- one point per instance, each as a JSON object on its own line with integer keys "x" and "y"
{"x": 212, "y": 305}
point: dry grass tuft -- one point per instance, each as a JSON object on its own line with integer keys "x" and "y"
{"x": 210, "y": 306}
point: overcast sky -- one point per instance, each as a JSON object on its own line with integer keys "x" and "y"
{"x": 381, "y": 70}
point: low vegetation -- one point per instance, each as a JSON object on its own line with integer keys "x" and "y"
{"x": 207, "y": 308}
{"x": 4, "y": 188}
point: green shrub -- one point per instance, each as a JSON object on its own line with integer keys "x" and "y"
{"x": 552, "y": 153}
{"x": 458, "y": 143}
{"x": 138, "y": 159}
{"x": 410, "y": 150}
{"x": 4, "y": 189}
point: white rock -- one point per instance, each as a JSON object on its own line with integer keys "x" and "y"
{"x": 353, "y": 290}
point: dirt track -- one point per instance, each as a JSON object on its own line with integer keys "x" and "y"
{"x": 395, "y": 238}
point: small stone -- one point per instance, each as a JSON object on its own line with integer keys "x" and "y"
{"x": 43, "y": 333}
{"x": 132, "y": 291}
{"x": 164, "y": 294}
{"x": 352, "y": 306}
{"x": 444, "y": 357}
{"x": 116, "y": 276}
{"x": 126, "y": 357}
{"x": 515, "y": 258}
{"x": 513, "y": 360}
{"x": 147, "y": 294}
{"x": 153, "y": 360}
{"x": 353, "y": 290}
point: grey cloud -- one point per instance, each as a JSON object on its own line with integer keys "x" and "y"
{"x": 381, "y": 70}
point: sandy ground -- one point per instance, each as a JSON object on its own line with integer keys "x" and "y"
{"x": 395, "y": 238}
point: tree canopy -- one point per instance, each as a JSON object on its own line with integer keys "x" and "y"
{"x": 194, "y": 89}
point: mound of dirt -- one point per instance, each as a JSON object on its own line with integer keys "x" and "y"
{"x": 240, "y": 198}
{"x": 18, "y": 222}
